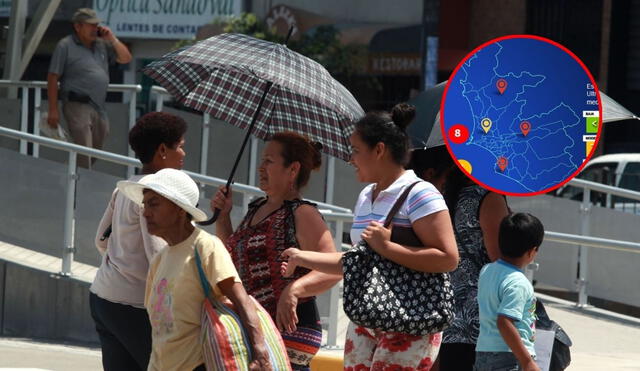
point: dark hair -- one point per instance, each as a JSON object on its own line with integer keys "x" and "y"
{"x": 388, "y": 128}
{"x": 436, "y": 158}
{"x": 519, "y": 233}
{"x": 153, "y": 129}
{"x": 296, "y": 147}
{"x": 456, "y": 180}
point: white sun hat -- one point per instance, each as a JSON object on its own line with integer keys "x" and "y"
{"x": 174, "y": 185}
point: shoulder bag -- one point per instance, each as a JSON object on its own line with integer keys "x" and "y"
{"x": 382, "y": 295}
{"x": 225, "y": 343}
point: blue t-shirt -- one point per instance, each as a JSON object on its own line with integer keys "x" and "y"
{"x": 504, "y": 290}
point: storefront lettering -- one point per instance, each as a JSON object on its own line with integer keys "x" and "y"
{"x": 165, "y": 7}
{"x": 185, "y": 29}
{"x": 395, "y": 64}
{"x": 162, "y": 19}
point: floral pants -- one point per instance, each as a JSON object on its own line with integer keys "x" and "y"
{"x": 370, "y": 350}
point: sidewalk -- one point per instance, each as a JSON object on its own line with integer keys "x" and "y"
{"x": 601, "y": 341}
{"x": 24, "y": 354}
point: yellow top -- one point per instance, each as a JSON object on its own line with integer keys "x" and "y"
{"x": 174, "y": 297}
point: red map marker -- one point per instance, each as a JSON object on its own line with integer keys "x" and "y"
{"x": 525, "y": 126}
{"x": 501, "y": 84}
{"x": 502, "y": 163}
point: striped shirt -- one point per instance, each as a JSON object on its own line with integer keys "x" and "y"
{"x": 424, "y": 199}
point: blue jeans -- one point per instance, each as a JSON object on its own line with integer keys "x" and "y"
{"x": 496, "y": 361}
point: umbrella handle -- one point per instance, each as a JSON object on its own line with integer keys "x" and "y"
{"x": 216, "y": 211}
{"x": 216, "y": 214}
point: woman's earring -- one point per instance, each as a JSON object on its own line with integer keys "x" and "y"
{"x": 164, "y": 157}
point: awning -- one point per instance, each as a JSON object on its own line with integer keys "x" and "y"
{"x": 398, "y": 51}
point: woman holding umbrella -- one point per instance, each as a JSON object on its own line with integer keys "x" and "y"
{"x": 380, "y": 149}
{"x": 274, "y": 223}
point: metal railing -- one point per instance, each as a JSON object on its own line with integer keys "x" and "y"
{"x": 333, "y": 214}
{"x": 585, "y": 243}
{"x": 161, "y": 94}
{"x": 38, "y": 86}
{"x": 338, "y": 216}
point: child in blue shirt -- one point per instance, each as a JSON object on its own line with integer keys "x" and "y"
{"x": 506, "y": 300}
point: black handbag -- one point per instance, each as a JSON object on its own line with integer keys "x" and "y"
{"x": 382, "y": 295}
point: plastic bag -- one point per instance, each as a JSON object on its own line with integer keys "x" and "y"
{"x": 54, "y": 133}
{"x": 560, "y": 354}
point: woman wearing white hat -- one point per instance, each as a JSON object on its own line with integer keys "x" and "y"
{"x": 174, "y": 295}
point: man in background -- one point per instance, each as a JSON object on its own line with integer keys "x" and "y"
{"x": 80, "y": 63}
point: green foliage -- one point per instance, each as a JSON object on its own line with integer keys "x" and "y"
{"x": 344, "y": 62}
{"x": 323, "y": 45}
{"x": 248, "y": 24}
{"x": 182, "y": 43}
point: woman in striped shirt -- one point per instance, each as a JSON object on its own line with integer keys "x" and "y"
{"x": 380, "y": 151}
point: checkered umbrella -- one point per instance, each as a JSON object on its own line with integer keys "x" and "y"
{"x": 262, "y": 86}
{"x": 227, "y": 75}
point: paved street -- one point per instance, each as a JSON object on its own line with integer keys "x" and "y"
{"x": 21, "y": 354}
{"x": 601, "y": 341}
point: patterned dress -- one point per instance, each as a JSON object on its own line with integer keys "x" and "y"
{"x": 473, "y": 256}
{"x": 256, "y": 252}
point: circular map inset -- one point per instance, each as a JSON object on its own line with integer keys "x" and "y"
{"x": 521, "y": 115}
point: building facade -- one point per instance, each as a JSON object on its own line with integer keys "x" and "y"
{"x": 605, "y": 34}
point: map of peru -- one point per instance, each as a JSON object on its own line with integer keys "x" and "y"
{"x": 514, "y": 113}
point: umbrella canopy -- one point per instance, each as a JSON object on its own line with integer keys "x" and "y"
{"x": 425, "y": 131}
{"x": 614, "y": 111}
{"x": 234, "y": 77}
{"x": 262, "y": 86}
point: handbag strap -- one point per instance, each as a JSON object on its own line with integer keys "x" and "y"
{"x": 203, "y": 277}
{"x": 399, "y": 202}
{"x": 217, "y": 304}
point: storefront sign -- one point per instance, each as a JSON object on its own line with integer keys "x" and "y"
{"x": 162, "y": 19}
{"x": 394, "y": 64}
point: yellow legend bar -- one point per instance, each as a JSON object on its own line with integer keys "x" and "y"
{"x": 589, "y": 147}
